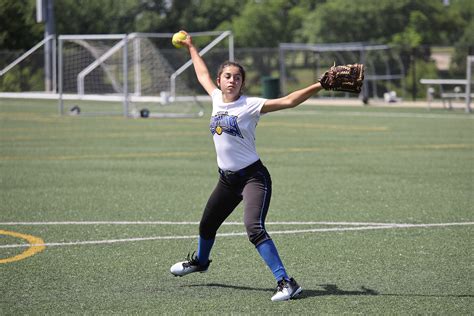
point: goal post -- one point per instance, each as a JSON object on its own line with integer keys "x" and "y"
{"x": 133, "y": 75}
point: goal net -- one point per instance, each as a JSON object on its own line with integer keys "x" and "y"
{"x": 135, "y": 75}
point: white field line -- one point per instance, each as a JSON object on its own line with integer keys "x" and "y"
{"x": 183, "y": 223}
{"x": 301, "y": 231}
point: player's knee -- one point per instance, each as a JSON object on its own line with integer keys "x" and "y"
{"x": 206, "y": 231}
{"x": 257, "y": 236}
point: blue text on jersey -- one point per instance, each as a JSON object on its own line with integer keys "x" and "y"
{"x": 222, "y": 122}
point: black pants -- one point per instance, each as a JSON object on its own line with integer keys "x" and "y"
{"x": 253, "y": 185}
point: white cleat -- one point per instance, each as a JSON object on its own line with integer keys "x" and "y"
{"x": 286, "y": 290}
{"x": 189, "y": 266}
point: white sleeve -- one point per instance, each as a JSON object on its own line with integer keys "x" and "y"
{"x": 255, "y": 105}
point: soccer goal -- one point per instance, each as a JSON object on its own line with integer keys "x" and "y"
{"x": 134, "y": 75}
{"x": 302, "y": 64}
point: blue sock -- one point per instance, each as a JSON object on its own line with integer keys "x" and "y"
{"x": 204, "y": 249}
{"x": 269, "y": 253}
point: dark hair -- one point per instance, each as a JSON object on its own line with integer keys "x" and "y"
{"x": 231, "y": 63}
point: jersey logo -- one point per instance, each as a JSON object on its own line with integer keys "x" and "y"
{"x": 222, "y": 122}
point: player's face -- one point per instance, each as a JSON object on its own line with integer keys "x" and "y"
{"x": 230, "y": 82}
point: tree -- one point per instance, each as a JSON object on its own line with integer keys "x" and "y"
{"x": 266, "y": 23}
{"x": 206, "y": 15}
{"x": 463, "y": 48}
{"x": 18, "y": 27}
{"x": 94, "y": 17}
{"x": 464, "y": 45}
{"x": 383, "y": 21}
{"x": 152, "y": 16}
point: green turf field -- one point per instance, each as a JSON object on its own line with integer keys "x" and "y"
{"x": 372, "y": 212}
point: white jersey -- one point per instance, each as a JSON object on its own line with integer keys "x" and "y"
{"x": 233, "y": 129}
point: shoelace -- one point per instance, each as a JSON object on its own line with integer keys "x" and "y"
{"x": 281, "y": 284}
{"x": 191, "y": 260}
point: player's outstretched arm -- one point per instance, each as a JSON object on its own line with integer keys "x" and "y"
{"x": 348, "y": 78}
{"x": 291, "y": 100}
{"x": 200, "y": 67}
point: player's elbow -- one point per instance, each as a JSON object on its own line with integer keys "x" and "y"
{"x": 290, "y": 103}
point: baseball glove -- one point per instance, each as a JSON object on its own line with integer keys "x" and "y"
{"x": 347, "y": 78}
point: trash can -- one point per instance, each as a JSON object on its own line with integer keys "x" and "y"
{"x": 270, "y": 87}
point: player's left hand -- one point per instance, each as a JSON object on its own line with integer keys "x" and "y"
{"x": 347, "y": 78}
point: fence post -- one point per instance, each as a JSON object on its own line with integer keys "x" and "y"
{"x": 469, "y": 61}
{"x": 413, "y": 73}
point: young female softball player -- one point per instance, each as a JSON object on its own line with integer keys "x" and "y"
{"x": 242, "y": 174}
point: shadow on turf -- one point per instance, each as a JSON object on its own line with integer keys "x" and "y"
{"x": 328, "y": 289}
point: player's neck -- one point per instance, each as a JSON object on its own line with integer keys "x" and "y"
{"x": 230, "y": 98}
